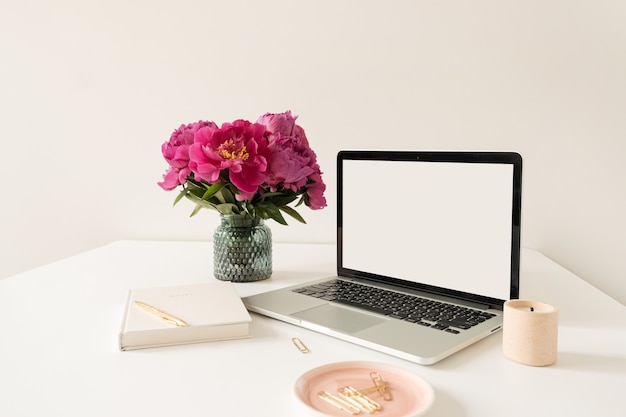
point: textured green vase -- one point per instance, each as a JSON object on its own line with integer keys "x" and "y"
{"x": 242, "y": 249}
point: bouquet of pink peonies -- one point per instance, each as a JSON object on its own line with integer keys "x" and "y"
{"x": 242, "y": 168}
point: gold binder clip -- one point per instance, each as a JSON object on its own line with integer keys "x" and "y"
{"x": 381, "y": 386}
{"x": 301, "y": 346}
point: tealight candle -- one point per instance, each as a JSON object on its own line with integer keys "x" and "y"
{"x": 530, "y": 332}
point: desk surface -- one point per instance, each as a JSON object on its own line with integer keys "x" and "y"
{"x": 59, "y": 354}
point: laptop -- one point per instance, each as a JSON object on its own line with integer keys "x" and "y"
{"x": 428, "y": 251}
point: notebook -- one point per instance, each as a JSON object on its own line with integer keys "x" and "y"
{"x": 436, "y": 231}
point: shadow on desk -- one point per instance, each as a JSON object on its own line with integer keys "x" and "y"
{"x": 484, "y": 349}
{"x": 279, "y": 279}
{"x": 298, "y": 277}
{"x": 567, "y": 361}
{"x": 593, "y": 363}
{"x": 445, "y": 405}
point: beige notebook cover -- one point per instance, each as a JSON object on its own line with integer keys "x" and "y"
{"x": 212, "y": 311}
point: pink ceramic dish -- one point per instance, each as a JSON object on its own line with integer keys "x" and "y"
{"x": 411, "y": 395}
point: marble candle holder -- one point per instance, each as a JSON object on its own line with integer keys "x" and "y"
{"x": 530, "y": 332}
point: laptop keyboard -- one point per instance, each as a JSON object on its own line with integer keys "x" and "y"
{"x": 422, "y": 311}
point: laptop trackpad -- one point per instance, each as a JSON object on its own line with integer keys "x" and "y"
{"x": 338, "y": 318}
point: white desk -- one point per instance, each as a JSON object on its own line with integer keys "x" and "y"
{"x": 59, "y": 354}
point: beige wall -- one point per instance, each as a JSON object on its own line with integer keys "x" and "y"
{"x": 90, "y": 90}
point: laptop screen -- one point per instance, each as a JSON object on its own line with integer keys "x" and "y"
{"x": 428, "y": 218}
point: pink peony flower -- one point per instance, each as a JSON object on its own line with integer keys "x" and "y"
{"x": 315, "y": 192}
{"x": 172, "y": 178}
{"x": 176, "y": 153}
{"x": 240, "y": 147}
{"x": 291, "y": 164}
{"x": 264, "y": 164}
{"x": 283, "y": 124}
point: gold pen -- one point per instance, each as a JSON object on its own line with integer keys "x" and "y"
{"x": 161, "y": 314}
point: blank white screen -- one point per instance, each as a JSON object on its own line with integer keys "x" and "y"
{"x": 436, "y": 223}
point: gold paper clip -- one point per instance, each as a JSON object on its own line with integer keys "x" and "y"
{"x": 339, "y": 403}
{"x": 381, "y": 386}
{"x": 360, "y": 400}
{"x": 372, "y": 389}
{"x": 301, "y": 346}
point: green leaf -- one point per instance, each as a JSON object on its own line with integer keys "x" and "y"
{"x": 248, "y": 208}
{"x": 271, "y": 194}
{"x": 283, "y": 200}
{"x": 258, "y": 211}
{"x": 202, "y": 203}
{"x": 271, "y": 211}
{"x": 212, "y": 190}
{"x": 225, "y": 195}
{"x": 195, "y": 210}
{"x": 179, "y": 197}
{"x": 278, "y": 217}
{"x": 197, "y": 190}
{"x": 227, "y": 208}
{"x": 293, "y": 213}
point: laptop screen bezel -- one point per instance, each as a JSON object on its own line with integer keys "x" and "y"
{"x": 482, "y": 157}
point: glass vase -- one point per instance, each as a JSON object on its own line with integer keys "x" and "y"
{"x": 242, "y": 249}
